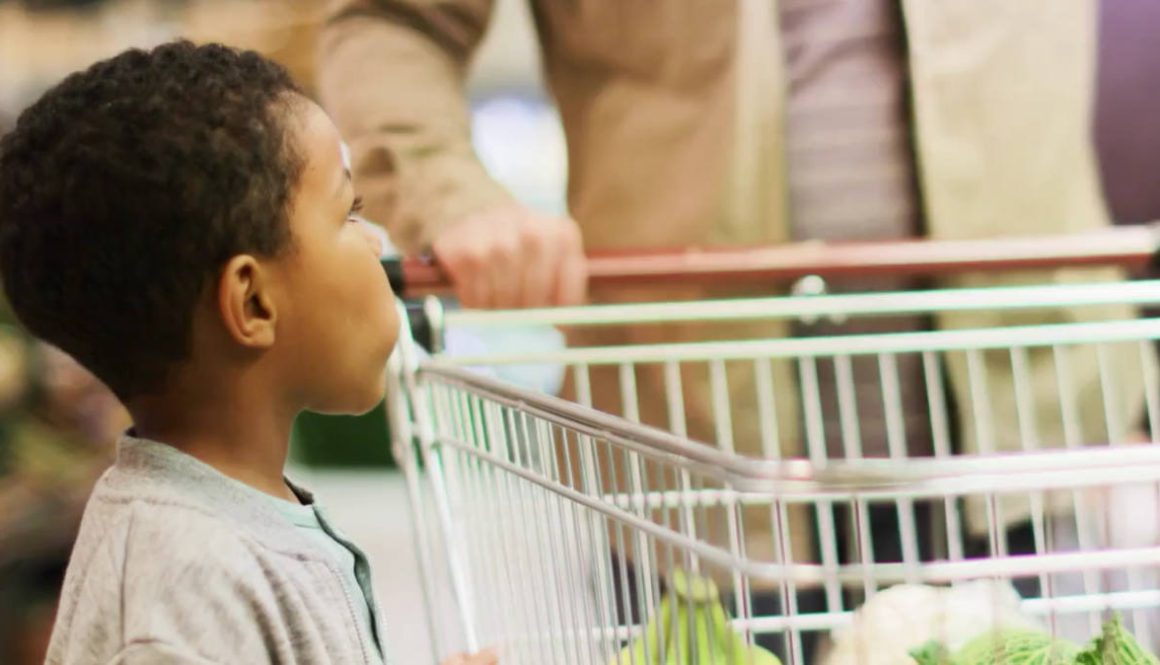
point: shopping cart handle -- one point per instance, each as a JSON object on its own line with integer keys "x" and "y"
{"x": 393, "y": 266}
{"x": 1132, "y": 247}
{"x": 422, "y": 328}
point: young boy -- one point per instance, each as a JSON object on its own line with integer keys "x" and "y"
{"x": 182, "y": 222}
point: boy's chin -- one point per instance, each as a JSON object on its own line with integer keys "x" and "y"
{"x": 367, "y": 405}
{"x": 353, "y": 405}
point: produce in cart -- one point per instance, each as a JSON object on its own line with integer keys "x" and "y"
{"x": 1114, "y": 646}
{"x": 903, "y": 618}
{"x": 1018, "y": 647}
{"x": 699, "y": 634}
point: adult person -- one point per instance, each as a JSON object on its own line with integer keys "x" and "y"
{"x": 701, "y": 123}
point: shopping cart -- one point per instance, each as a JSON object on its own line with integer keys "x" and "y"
{"x": 562, "y": 534}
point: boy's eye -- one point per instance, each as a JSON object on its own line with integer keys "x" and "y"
{"x": 355, "y": 209}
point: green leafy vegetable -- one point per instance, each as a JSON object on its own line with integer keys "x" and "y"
{"x": 698, "y": 634}
{"x": 1115, "y": 646}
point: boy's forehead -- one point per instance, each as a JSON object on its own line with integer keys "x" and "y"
{"x": 328, "y": 157}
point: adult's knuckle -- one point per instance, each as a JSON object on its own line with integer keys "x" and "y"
{"x": 470, "y": 258}
{"x": 570, "y": 233}
{"x": 533, "y": 237}
{"x": 505, "y": 249}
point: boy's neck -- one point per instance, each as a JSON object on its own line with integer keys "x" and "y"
{"x": 240, "y": 433}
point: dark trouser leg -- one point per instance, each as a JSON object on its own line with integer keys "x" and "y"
{"x": 627, "y": 593}
{"x": 1020, "y": 540}
{"x": 810, "y": 601}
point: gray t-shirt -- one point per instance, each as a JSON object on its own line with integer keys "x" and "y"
{"x": 310, "y": 518}
{"x": 175, "y": 563}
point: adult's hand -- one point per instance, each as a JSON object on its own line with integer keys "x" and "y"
{"x": 513, "y": 257}
{"x": 487, "y": 657}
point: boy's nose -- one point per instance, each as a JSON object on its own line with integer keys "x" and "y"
{"x": 372, "y": 236}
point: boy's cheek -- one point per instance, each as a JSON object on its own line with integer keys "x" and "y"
{"x": 394, "y": 326}
{"x": 376, "y": 236}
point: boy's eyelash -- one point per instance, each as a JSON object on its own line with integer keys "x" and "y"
{"x": 356, "y": 207}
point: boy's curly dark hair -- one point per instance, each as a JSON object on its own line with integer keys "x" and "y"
{"x": 125, "y": 188}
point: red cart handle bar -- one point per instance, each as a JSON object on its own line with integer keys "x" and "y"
{"x": 1132, "y": 247}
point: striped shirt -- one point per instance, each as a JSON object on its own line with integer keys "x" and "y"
{"x": 852, "y": 177}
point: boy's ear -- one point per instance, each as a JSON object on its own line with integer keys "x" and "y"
{"x": 246, "y": 303}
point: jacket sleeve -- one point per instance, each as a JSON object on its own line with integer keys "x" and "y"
{"x": 392, "y": 76}
{"x": 1001, "y": 159}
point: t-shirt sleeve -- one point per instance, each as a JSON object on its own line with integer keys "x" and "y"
{"x": 202, "y": 593}
{"x": 157, "y": 653}
{"x": 146, "y": 592}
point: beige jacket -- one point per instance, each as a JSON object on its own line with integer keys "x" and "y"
{"x": 673, "y": 116}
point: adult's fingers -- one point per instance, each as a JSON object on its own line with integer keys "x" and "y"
{"x": 512, "y": 258}
{"x": 466, "y": 268}
{"x": 463, "y": 252}
{"x": 485, "y": 657}
{"x": 506, "y": 266}
{"x": 572, "y": 275}
{"x": 540, "y": 242}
